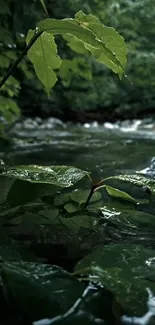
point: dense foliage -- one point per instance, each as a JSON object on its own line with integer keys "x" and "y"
{"x": 43, "y": 221}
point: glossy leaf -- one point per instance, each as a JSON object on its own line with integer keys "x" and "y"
{"x": 62, "y": 176}
{"x": 114, "y": 192}
{"x": 122, "y": 268}
{"x": 136, "y": 179}
{"x": 73, "y": 223}
{"x": 43, "y": 55}
{"x": 40, "y": 290}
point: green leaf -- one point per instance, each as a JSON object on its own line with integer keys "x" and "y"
{"x": 136, "y": 179}
{"x": 103, "y": 42}
{"x": 75, "y": 44}
{"x": 70, "y": 207}
{"x": 77, "y": 66}
{"x": 44, "y": 7}
{"x": 5, "y": 185}
{"x": 62, "y": 176}
{"x": 8, "y": 109}
{"x": 11, "y": 250}
{"x": 124, "y": 269}
{"x": 23, "y": 192}
{"x": 40, "y": 290}
{"x": 111, "y": 39}
{"x": 43, "y": 55}
{"x": 23, "y": 184}
{"x": 114, "y": 192}
{"x": 80, "y": 221}
{"x": 80, "y": 196}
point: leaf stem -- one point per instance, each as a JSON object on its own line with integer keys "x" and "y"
{"x": 19, "y": 59}
{"x": 89, "y": 196}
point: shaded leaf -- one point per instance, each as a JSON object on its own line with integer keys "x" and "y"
{"x": 77, "y": 66}
{"x": 123, "y": 269}
{"x": 5, "y": 185}
{"x": 11, "y": 250}
{"x": 70, "y": 207}
{"x": 80, "y": 221}
{"x": 80, "y": 196}
{"x": 40, "y": 290}
{"x": 8, "y": 109}
{"x": 22, "y": 192}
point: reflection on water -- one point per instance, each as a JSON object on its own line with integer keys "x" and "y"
{"x": 102, "y": 149}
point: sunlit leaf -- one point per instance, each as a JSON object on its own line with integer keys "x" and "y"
{"x": 104, "y": 43}
{"x": 62, "y": 176}
{"x": 113, "y": 42}
{"x": 43, "y": 55}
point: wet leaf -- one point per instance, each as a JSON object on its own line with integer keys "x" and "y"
{"x": 40, "y": 290}
{"x": 62, "y": 176}
{"x": 80, "y": 221}
{"x": 11, "y": 250}
{"x": 137, "y": 179}
{"x": 114, "y": 192}
{"x": 80, "y": 196}
{"x": 123, "y": 269}
{"x": 42, "y": 217}
{"x": 96, "y": 306}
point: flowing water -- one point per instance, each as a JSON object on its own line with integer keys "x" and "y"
{"x": 102, "y": 149}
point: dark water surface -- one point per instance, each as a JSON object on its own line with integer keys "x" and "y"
{"x": 104, "y": 150}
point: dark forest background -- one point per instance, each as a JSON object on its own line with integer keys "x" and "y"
{"x": 86, "y": 90}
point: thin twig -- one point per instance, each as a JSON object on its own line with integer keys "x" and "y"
{"x": 21, "y": 56}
